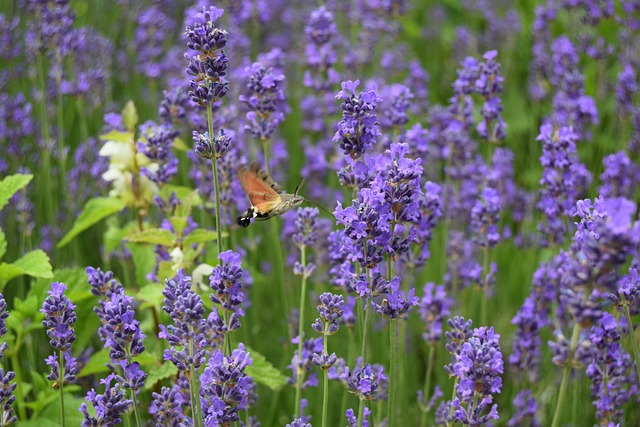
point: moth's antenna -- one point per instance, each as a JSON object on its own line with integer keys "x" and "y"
{"x": 298, "y": 187}
{"x": 318, "y": 205}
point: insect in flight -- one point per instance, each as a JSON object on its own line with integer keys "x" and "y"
{"x": 267, "y": 198}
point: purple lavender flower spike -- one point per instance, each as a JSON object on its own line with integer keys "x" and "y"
{"x": 352, "y": 419}
{"x": 489, "y": 85}
{"x": 7, "y": 387}
{"x": 203, "y": 148}
{"x": 485, "y": 216}
{"x": 226, "y": 282}
{"x": 610, "y": 370}
{"x": 58, "y": 322}
{"x": 264, "y": 100}
{"x": 304, "y": 363}
{"x": 434, "y": 308}
{"x": 621, "y": 176}
{"x": 109, "y": 407}
{"x": 225, "y": 387}
{"x": 188, "y": 330}
{"x": 365, "y": 382}
{"x": 358, "y": 129}
{"x": 478, "y": 365}
{"x": 208, "y": 68}
{"x": 4, "y": 313}
{"x": 166, "y": 407}
{"x": 152, "y": 28}
{"x": 526, "y": 409}
{"x": 124, "y": 336}
{"x": 397, "y": 304}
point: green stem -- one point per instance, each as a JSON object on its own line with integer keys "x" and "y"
{"x": 565, "y": 375}
{"x": 367, "y": 321}
{"x": 393, "y": 342}
{"x": 216, "y": 184}
{"x": 48, "y": 206}
{"x": 485, "y": 287}
{"x": 453, "y": 395}
{"x": 136, "y": 409}
{"x": 193, "y": 393}
{"x": 360, "y": 412}
{"x": 427, "y": 383}
{"x": 61, "y": 379}
{"x": 325, "y": 393}
{"x": 632, "y": 335}
{"x": 60, "y": 121}
{"x": 303, "y": 261}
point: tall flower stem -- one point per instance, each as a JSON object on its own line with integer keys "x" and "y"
{"x": 193, "y": 392}
{"x": 453, "y": 395}
{"x": 393, "y": 380}
{"x": 136, "y": 409}
{"x": 60, "y": 120}
{"x": 365, "y": 334}
{"x": 427, "y": 383}
{"x": 632, "y": 337}
{"x": 216, "y": 184}
{"x": 303, "y": 292}
{"x": 61, "y": 375}
{"x": 48, "y": 207}
{"x": 565, "y": 375}
{"x": 325, "y": 388}
{"x": 485, "y": 287}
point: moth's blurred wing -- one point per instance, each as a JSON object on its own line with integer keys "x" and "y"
{"x": 262, "y": 195}
{"x": 256, "y": 169}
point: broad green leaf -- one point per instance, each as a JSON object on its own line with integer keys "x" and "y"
{"x": 94, "y": 211}
{"x": 97, "y": 364}
{"x": 3, "y": 244}
{"x": 11, "y": 184}
{"x": 34, "y": 264}
{"x": 144, "y": 260}
{"x": 181, "y": 191}
{"x": 114, "y": 236}
{"x": 158, "y": 236}
{"x": 150, "y": 295}
{"x": 78, "y": 289}
{"x": 263, "y": 372}
{"x": 117, "y": 136}
{"x": 178, "y": 223}
{"x": 72, "y": 416}
{"x": 200, "y": 235}
{"x": 166, "y": 271}
{"x": 166, "y": 370}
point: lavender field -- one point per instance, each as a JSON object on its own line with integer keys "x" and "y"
{"x": 333, "y": 213}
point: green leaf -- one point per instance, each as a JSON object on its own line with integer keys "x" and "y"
{"x": 34, "y": 264}
{"x": 200, "y": 235}
{"x": 3, "y": 244}
{"x": 78, "y": 290}
{"x": 166, "y": 370}
{"x": 114, "y": 236}
{"x": 144, "y": 260}
{"x": 97, "y": 364}
{"x": 117, "y": 136}
{"x": 263, "y": 372}
{"x": 166, "y": 270}
{"x": 179, "y": 145}
{"x": 72, "y": 416}
{"x": 94, "y": 211}
{"x": 158, "y": 236}
{"x": 178, "y": 223}
{"x": 150, "y": 295}
{"x": 11, "y": 184}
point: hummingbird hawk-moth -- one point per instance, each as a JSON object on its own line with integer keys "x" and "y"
{"x": 267, "y": 198}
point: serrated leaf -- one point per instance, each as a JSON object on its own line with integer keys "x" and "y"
{"x": 11, "y": 184}
{"x": 97, "y": 364}
{"x": 93, "y": 212}
{"x": 200, "y": 235}
{"x": 166, "y": 370}
{"x": 150, "y": 295}
{"x": 117, "y": 136}
{"x": 144, "y": 260}
{"x": 158, "y": 236}
{"x": 3, "y": 244}
{"x": 263, "y": 372}
{"x": 165, "y": 270}
{"x": 72, "y": 416}
{"x": 34, "y": 264}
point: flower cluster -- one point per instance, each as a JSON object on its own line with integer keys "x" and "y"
{"x": 331, "y": 312}
{"x": 264, "y": 99}
{"x": 485, "y": 216}
{"x": 358, "y": 130}
{"x": 204, "y": 149}
{"x": 397, "y": 304}
{"x": 225, "y": 387}
{"x": 7, "y": 387}
{"x": 621, "y": 176}
{"x": 208, "y": 68}
{"x": 366, "y": 382}
{"x": 109, "y": 406}
{"x": 435, "y": 306}
{"x": 156, "y": 145}
{"x": 489, "y": 85}
{"x": 166, "y": 407}
{"x": 187, "y": 311}
{"x": 227, "y": 289}
{"x": 478, "y": 366}
{"x": 58, "y": 322}
{"x": 303, "y": 363}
